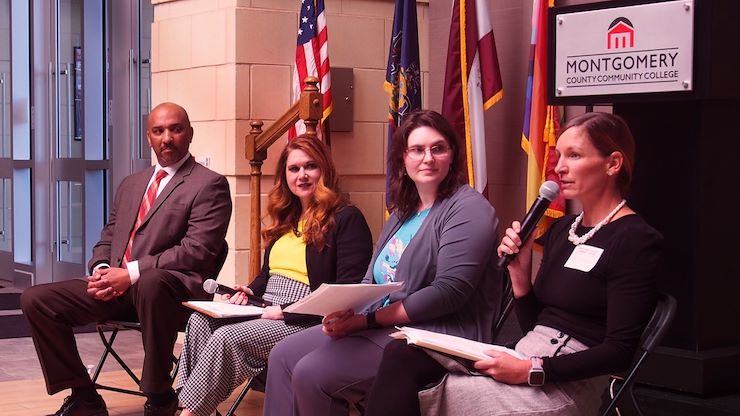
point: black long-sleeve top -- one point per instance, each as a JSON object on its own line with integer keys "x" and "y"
{"x": 606, "y": 308}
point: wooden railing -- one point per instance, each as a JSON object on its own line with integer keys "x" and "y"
{"x": 309, "y": 109}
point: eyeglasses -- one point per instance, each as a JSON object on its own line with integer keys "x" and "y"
{"x": 418, "y": 152}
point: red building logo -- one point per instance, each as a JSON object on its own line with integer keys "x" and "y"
{"x": 621, "y": 34}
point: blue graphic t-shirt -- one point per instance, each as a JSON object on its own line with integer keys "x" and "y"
{"x": 384, "y": 269}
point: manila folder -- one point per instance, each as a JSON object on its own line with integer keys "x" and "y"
{"x": 330, "y": 298}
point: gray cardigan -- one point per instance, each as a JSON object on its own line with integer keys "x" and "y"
{"x": 451, "y": 283}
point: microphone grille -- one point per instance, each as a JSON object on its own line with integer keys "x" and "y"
{"x": 549, "y": 190}
{"x": 210, "y": 286}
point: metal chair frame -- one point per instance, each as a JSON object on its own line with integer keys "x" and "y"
{"x": 665, "y": 310}
{"x": 257, "y": 383}
{"x": 507, "y": 304}
{"x": 114, "y": 327}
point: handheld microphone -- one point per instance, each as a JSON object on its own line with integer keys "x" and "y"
{"x": 211, "y": 287}
{"x": 548, "y": 191}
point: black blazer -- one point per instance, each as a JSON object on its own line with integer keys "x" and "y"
{"x": 344, "y": 259}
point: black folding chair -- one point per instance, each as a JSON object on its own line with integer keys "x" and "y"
{"x": 654, "y": 332}
{"x": 256, "y": 383}
{"x": 115, "y": 326}
{"x": 507, "y": 303}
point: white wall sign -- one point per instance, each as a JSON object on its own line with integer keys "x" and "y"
{"x": 625, "y": 50}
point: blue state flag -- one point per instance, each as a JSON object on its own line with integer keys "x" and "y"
{"x": 403, "y": 74}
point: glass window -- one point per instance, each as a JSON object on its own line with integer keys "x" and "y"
{"x": 69, "y": 221}
{"x": 22, "y": 218}
{"x": 18, "y": 86}
{"x": 6, "y": 216}
{"x": 5, "y": 79}
{"x": 70, "y": 80}
{"x": 146, "y": 17}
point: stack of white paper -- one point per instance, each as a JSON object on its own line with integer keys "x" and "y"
{"x": 330, "y": 298}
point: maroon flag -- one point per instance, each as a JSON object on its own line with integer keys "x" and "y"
{"x": 472, "y": 83}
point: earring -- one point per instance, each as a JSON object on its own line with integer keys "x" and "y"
{"x": 609, "y": 173}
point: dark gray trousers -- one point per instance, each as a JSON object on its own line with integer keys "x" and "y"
{"x": 310, "y": 373}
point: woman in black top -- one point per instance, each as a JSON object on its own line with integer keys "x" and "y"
{"x": 314, "y": 236}
{"x": 583, "y": 314}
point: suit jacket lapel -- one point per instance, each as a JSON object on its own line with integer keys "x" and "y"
{"x": 176, "y": 180}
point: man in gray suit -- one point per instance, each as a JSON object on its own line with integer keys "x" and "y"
{"x": 164, "y": 237}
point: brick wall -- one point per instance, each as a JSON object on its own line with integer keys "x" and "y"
{"x": 230, "y": 61}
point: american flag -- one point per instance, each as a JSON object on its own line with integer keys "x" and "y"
{"x": 311, "y": 57}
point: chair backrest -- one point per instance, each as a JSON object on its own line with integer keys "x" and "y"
{"x": 665, "y": 310}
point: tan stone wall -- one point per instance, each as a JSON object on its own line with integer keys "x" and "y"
{"x": 229, "y": 61}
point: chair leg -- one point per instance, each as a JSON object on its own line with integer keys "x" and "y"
{"x": 627, "y": 383}
{"x": 103, "y": 357}
{"x": 237, "y": 402}
{"x": 108, "y": 344}
{"x": 634, "y": 400}
{"x": 109, "y": 351}
{"x": 176, "y": 362}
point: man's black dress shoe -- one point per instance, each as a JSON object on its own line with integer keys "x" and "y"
{"x": 74, "y": 406}
{"x": 167, "y": 409}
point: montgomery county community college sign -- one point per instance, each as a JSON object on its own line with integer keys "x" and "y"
{"x": 624, "y": 50}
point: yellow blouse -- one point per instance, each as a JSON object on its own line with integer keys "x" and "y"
{"x": 288, "y": 257}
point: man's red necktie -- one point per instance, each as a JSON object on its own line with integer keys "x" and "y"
{"x": 146, "y": 205}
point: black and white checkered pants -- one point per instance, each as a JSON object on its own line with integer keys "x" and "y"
{"x": 218, "y": 355}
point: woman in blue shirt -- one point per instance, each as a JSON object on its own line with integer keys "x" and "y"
{"x": 582, "y": 315}
{"x": 439, "y": 241}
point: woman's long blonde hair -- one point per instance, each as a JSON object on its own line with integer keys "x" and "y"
{"x": 284, "y": 207}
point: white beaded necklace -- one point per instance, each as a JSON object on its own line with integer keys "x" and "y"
{"x": 576, "y": 240}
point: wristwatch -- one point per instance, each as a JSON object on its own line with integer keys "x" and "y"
{"x": 536, "y": 373}
{"x": 372, "y": 323}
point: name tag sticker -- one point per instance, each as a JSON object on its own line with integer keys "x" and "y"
{"x": 584, "y": 258}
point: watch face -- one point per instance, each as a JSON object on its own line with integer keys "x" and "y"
{"x": 536, "y": 378}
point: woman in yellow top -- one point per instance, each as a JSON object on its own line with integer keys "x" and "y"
{"x": 315, "y": 236}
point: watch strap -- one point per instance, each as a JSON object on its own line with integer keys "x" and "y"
{"x": 536, "y": 373}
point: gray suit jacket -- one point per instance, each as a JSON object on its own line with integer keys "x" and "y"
{"x": 183, "y": 232}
